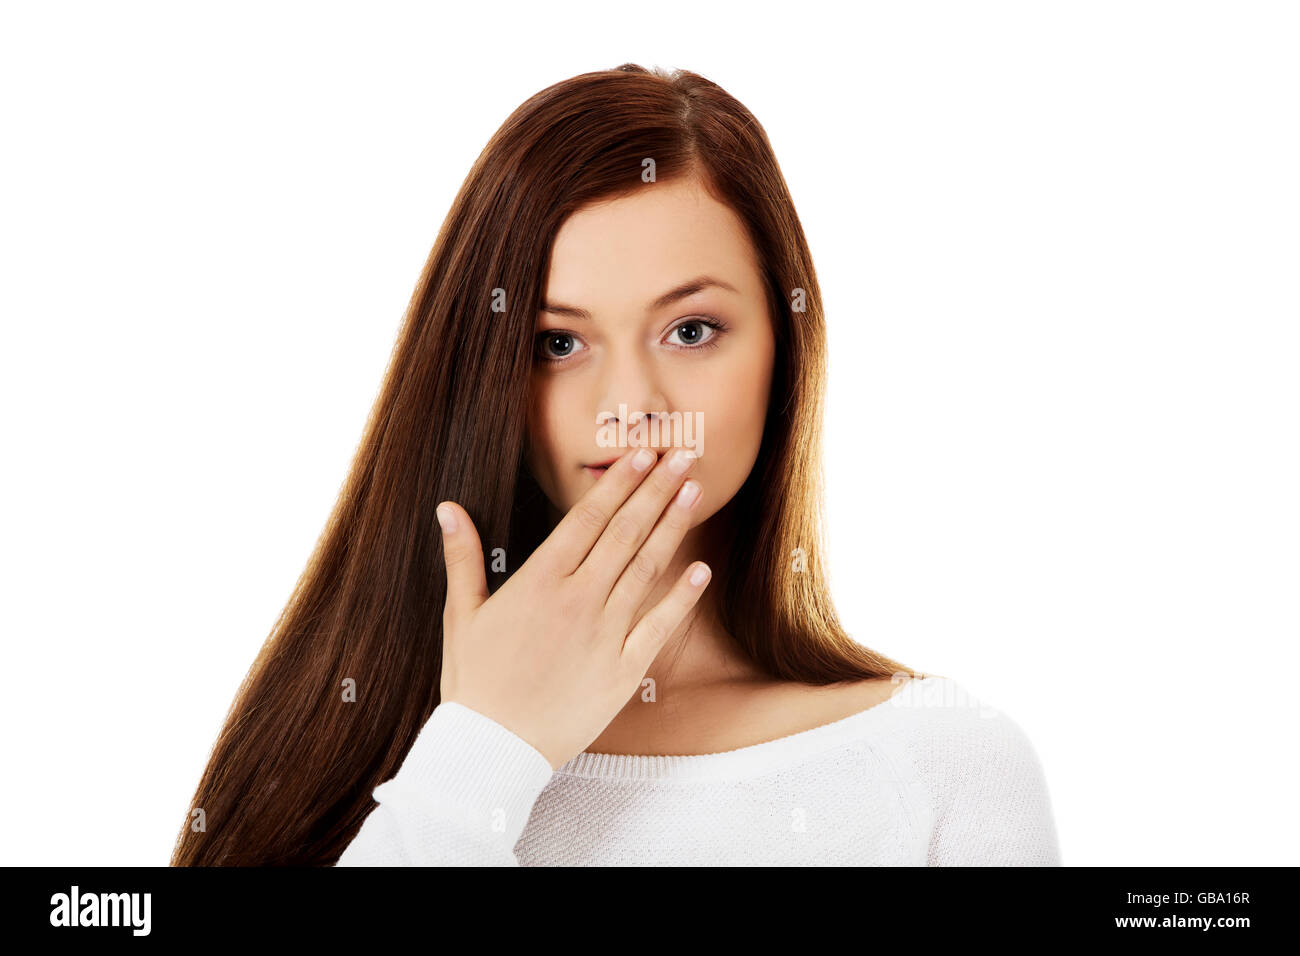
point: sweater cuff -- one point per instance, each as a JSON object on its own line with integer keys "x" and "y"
{"x": 469, "y": 761}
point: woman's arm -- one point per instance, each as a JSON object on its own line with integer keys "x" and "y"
{"x": 462, "y": 797}
{"x": 993, "y": 806}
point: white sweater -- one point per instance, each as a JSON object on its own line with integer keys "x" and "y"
{"x": 929, "y": 777}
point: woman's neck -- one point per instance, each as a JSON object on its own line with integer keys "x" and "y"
{"x": 700, "y": 652}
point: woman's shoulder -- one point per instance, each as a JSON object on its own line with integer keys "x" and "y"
{"x": 955, "y": 738}
{"x": 986, "y": 785}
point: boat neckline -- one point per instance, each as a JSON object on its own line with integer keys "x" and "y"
{"x": 753, "y": 758}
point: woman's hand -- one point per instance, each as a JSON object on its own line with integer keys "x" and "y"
{"x": 553, "y": 655}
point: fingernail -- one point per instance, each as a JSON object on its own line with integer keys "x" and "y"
{"x": 446, "y": 518}
{"x": 700, "y": 575}
{"x": 688, "y": 493}
{"x": 682, "y": 459}
{"x": 642, "y": 459}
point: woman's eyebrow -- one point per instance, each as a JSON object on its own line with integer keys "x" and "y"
{"x": 688, "y": 288}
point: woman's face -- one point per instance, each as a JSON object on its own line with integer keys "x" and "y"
{"x": 618, "y": 339}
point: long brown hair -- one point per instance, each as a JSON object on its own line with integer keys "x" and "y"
{"x": 288, "y": 781}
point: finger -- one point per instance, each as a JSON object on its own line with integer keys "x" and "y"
{"x": 632, "y": 523}
{"x": 648, "y": 564}
{"x": 652, "y": 631}
{"x": 568, "y": 544}
{"x": 463, "y": 555}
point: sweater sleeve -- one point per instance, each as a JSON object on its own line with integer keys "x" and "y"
{"x": 461, "y": 797}
{"x": 990, "y": 797}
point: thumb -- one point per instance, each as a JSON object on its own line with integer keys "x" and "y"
{"x": 463, "y": 554}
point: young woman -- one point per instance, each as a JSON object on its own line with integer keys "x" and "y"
{"x": 526, "y": 657}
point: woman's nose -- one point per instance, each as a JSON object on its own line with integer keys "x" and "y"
{"x": 630, "y": 393}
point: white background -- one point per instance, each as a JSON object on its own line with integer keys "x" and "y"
{"x": 1058, "y": 244}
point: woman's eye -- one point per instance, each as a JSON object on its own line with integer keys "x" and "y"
{"x": 557, "y": 346}
{"x": 696, "y": 332}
